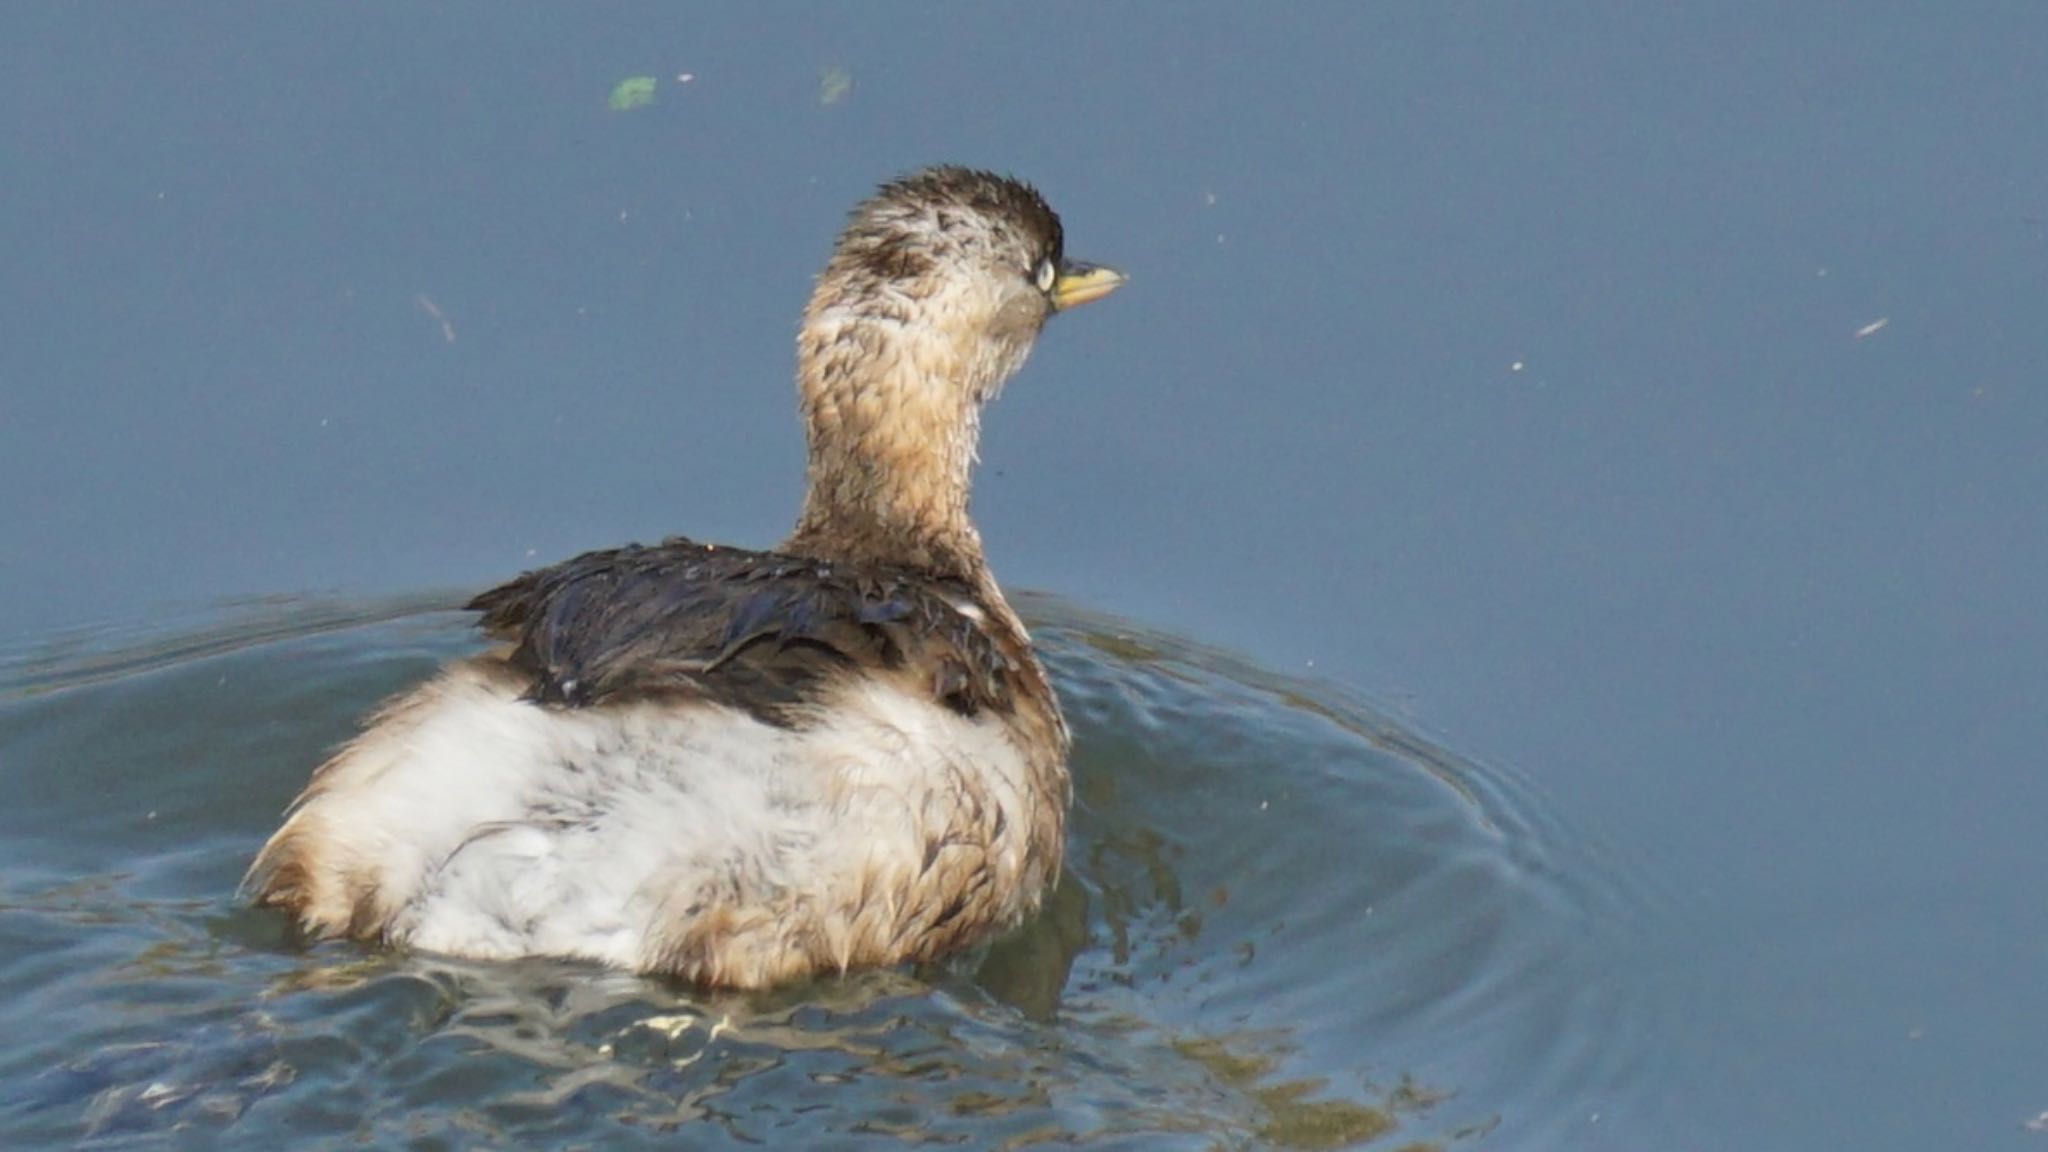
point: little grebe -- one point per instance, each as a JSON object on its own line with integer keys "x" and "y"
{"x": 745, "y": 767}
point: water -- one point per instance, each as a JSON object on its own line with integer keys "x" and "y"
{"x": 1289, "y": 921}
{"x": 1645, "y": 399}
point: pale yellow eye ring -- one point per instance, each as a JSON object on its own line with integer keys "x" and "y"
{"x": 1045, "y": 275}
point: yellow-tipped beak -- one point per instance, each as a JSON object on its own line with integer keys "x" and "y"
{"x": 1079, "y": 283}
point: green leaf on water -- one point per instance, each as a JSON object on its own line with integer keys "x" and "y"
{"x": 633, "y": 92}
{"x": 834, "y": 84}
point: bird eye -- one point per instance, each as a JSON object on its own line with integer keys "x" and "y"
{"x": 1045, "y": 275}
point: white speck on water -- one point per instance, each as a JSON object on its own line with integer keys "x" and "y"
{"x": 1873, "y": 327}
{"x": 433, "y": 310}
{"x": 2038, "y": 1123}
{"x": 1262, "y": 805}
{"x": 1515, "y": 367}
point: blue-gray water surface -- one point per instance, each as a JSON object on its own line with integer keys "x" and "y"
{"x": 1642, "y": 400}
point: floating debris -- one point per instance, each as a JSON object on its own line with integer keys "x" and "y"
{"x": 834, "y": 84}
{"x": 1873, "y": 327}
{"x": 432, "y": 309}
{"x": 633, "y": 92}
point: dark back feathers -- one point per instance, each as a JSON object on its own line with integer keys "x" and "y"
{"x": 761, "y": 631}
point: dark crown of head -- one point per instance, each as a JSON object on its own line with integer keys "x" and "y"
{"x": 890, "y": 231}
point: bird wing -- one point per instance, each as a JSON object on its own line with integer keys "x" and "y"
{"x": 761, "y": 631}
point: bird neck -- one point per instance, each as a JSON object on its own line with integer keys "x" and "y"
{"x": 892, "y": 431}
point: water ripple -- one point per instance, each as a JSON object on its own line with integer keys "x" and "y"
{"x": 1289, "y": 921}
